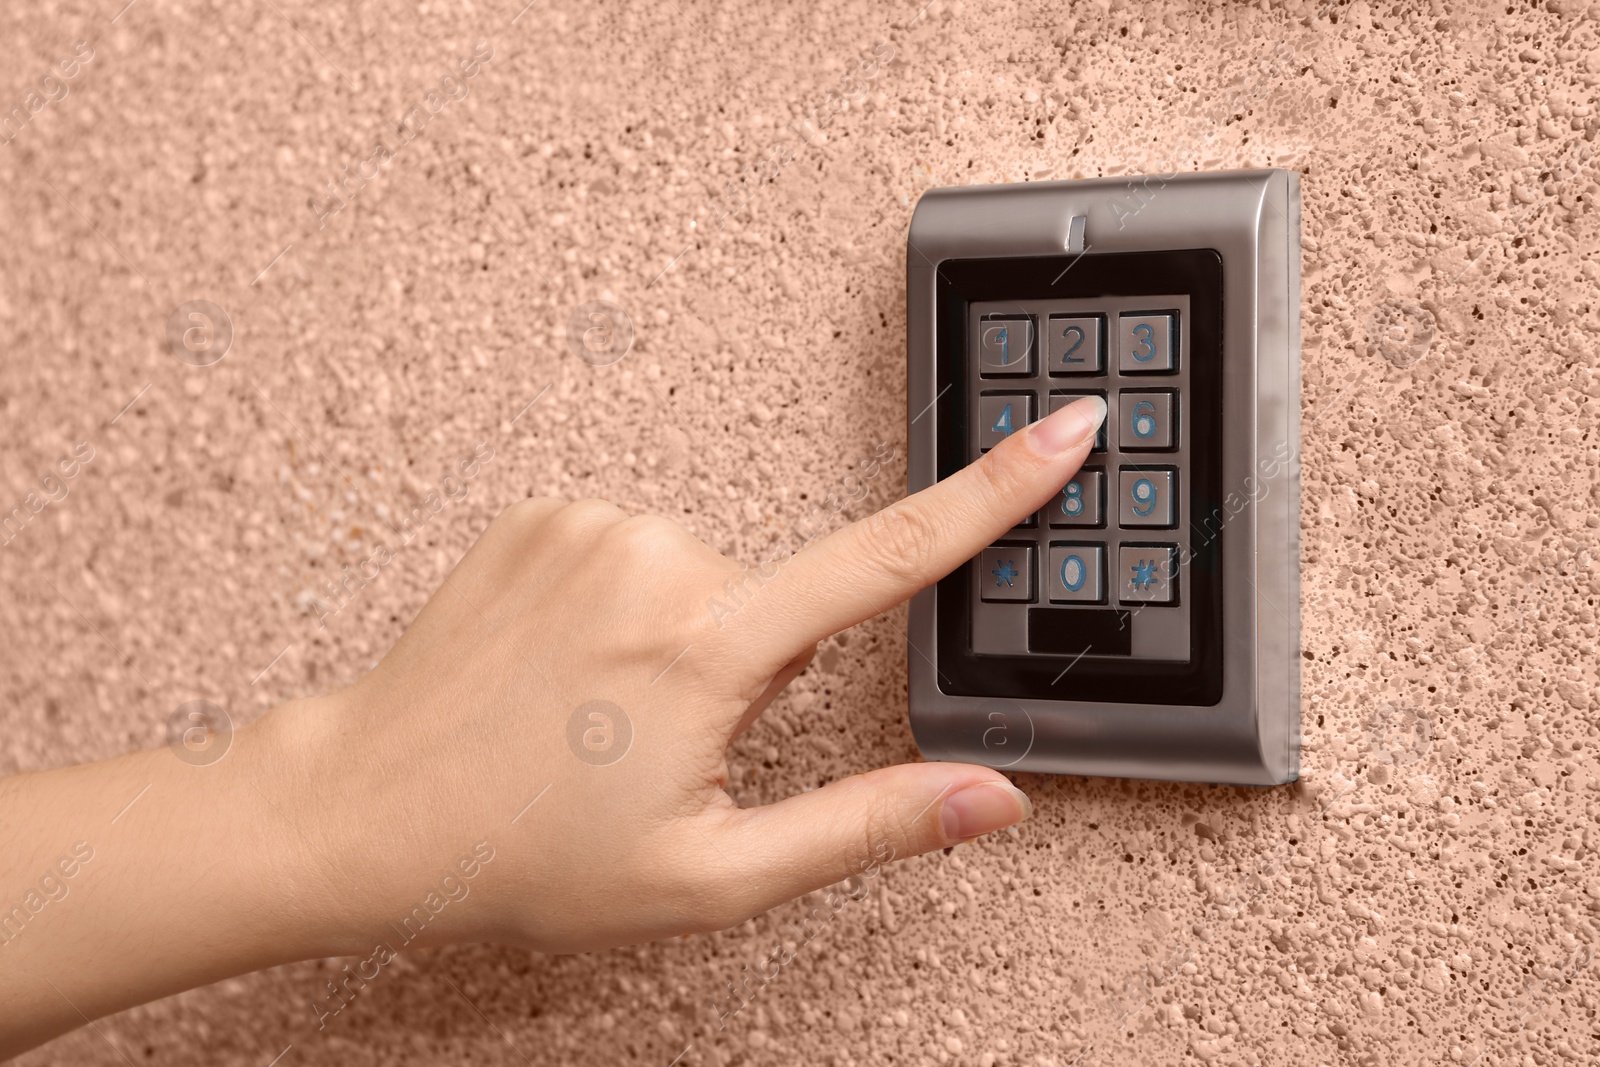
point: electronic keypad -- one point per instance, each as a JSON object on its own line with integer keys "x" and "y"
{"x": 1145, "y": 623}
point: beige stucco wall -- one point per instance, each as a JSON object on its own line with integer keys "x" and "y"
{"x": 1427, "y": 894}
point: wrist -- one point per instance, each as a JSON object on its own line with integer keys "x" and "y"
{"x": 363, "y": 866}
{"x": 313, "y": 877}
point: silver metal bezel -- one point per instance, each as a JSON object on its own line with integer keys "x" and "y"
{"x": 1252, "y": 219}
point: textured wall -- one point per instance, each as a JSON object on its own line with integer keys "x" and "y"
{"x": 1427, "y": 894}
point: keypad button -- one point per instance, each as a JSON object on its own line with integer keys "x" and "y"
{"x": 1005, "y": 346}
{"x": 1077, "y": 574}
{"x": 1077, "y": 344}
{"x": 1061, "y": 400}
{"x": 1081, "y": 501}
{"x": 1005, "y": 572}
{"x": 1002, "y": 414}
{"x": 1147, "y": 574}
{"x": 1148, "y": 422}
{"x": 1147, "y": 497}
{"x": 1148, "y": 343}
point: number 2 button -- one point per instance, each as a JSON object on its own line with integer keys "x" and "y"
{"x": 1077, "y": 344}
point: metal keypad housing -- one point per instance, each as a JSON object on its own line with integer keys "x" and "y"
{"x": 1145, "y": 622}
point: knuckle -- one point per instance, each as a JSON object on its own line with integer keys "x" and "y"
{"x": 723, "y": 906}
{"x": 526, "y": 514}
{"x": 887, "y": 822}
{"x": 584, "y": 516}
{"x": 903, "y": 540}
{"x": 702, "y": 901}
{"x": 1000, "y": 477}
{"x": 645, "y": 535}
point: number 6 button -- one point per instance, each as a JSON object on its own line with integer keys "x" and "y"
{"x": 1147, "y": 422}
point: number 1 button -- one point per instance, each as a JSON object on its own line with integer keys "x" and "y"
{"x": 1005, "y": 346}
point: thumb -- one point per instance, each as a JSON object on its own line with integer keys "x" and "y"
{"x": 853, "y": 825}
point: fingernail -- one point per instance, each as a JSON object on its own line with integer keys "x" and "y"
{"x": 1071, "y": 426}
{"x": 983, "y": 809}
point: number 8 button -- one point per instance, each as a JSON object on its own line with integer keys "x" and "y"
{"x": 1081, "y": 501}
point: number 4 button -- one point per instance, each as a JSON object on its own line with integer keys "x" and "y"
{"x": 1000, "y": 415}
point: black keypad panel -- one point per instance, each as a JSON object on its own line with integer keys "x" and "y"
{"x": 1097, "y": 571}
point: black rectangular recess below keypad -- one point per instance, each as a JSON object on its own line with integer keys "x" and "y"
{"x": 1092, "y": 642}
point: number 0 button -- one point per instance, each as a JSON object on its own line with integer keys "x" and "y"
{"x": 1077, "y": 574}
{"x": 1000, "y": 415}
{"x": 1148, "y": 344}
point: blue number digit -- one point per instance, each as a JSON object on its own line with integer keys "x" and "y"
{"x": 1144, "y": 419}
{"x": 1073, "y": 573}
{"x": 1066, "y": 357}
{"x": 1144, "y": 497}
{"x": 1072, "y": 500}
{"x": 1002, "y": 425}
{"x": 1145, "y": 334}
{"x": 999, "y": 337}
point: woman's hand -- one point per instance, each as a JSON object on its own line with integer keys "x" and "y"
{"x": 539, "y": 760}
{"x": 565, "y": 700}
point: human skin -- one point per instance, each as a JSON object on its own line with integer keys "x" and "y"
{"x": 331, "y": 818}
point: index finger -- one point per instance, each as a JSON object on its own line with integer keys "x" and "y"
{"x": 872, "y": 564}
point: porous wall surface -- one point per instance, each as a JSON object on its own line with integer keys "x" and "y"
{"x": 1428, "y": 893}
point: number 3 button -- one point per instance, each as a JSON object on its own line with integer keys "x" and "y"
{"x": 1148, "y": 344}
